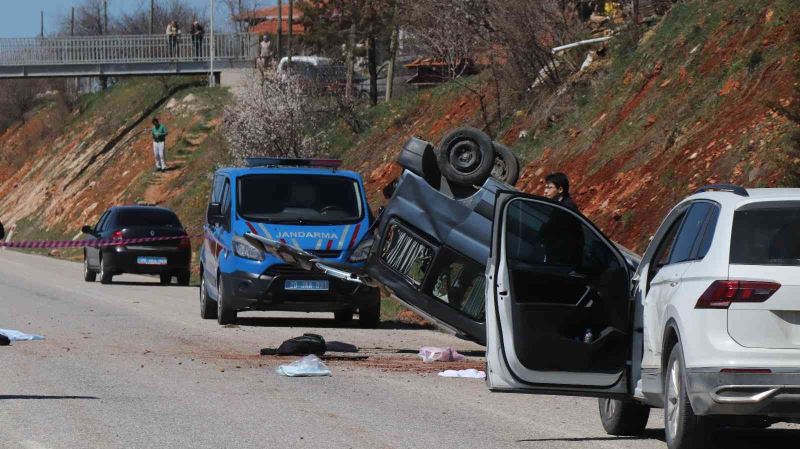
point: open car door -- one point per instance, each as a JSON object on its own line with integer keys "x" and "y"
{"x": 559, "y": 308}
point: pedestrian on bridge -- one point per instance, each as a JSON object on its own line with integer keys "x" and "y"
{"x": 198, "y": 33}
{"x": 159, "y": 132}
{"x": 173, "y": 31}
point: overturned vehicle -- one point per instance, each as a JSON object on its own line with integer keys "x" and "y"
{"x": 434, "y": 240}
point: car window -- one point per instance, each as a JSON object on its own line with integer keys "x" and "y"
{"x": 225, "y": 198}
{"x": 406, "y": 254}
{"x": 147, "y": 217}
{"x": 664, "y": 250}
{"x": 708, "y": 233}
{"x": 216, "y": 193}
{"x": 767, "y": 234}
{"x": 541, "y": 234}
{"x": 461, "y": 283}
{"x": 690, "y": 232}
{"x": 102, "y": 221}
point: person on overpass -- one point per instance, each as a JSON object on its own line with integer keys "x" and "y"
{"x": 159, "y": 132}
{"x": 556, "y": 188}
{"x": 197, "y": 32}
{"x": 173, "y": 30}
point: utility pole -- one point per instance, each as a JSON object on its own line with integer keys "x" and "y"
{"x": 212, "y": 80}
{"x": 105, "y": 17}
{"x": 72, "y": 23}
{"x": 392, "y": 53}
{"x": 280, "y": 29}
{"x": 41, "y": 24}
{"x": 350, "y": 58}
{"x": 289, "y": 36}
{"x": 152, "y": 14}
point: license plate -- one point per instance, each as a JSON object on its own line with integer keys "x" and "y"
{"x": 315, "y": 285}
{"x": 146, "y": 260}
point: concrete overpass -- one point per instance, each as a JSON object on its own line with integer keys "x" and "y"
{"x": 124, "y": 55}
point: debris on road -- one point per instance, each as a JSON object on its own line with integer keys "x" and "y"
{"x": 4, "y": 341}
{"x": 308, "y": 366}
{"x": 303, "y": 345}
{"x": 432, "y": 354}
{"x": 338, "y": 346}
{"x": 464, "y": 373}
{"x": 19, "y": 336}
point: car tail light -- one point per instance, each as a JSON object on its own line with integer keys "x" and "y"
{"x": 721, "y": 294}
{"x": 117, "y": 235}
{"x": 185, "y": 242}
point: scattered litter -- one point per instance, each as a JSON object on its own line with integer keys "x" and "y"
{"x": 465, "y": 373}
{"x": 308, "y": 366}
{"x": 431, "y": 354}
{"x": 303, "y": 345}
{"x": 19, "y": 336}
{"x": 4, "y": 341}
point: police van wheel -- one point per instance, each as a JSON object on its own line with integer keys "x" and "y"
{"x": 165, "y": 278}
{"x": 369, "y": 311}
{"x": 88, "y": 274}
{"x": 343, "y": 316}
{"x": 225, "y": 315}
{"x": 208, "y": 308}
{"x": 105, "y": 276}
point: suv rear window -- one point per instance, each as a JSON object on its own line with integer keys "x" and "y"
{"x": 767, "y": 234}
{"x": 147, "y": 217}
{"x": 299, "y": 199}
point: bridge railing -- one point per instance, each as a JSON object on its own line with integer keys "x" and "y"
{"x": 125, "y": 49}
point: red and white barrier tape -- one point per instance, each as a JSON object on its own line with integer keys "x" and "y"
{"x": 98, "y": 243}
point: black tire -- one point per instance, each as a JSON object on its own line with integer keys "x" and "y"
{"x": 623, "y": 418}
{"x": 88, "y": 274}
{"x": 106, "y": 277}
{"x": 184, "y": 278}
{"x": 369, "y": 309}
{"x": 165, "y": 278}
{"x": 506, "y": 164}
{"x": 683, "y": 429}
{"x": 343, "y": 316}
{"x": 225, "y": 314}
{"x": 208, "y": 307}
{"x": 466, "y": 156}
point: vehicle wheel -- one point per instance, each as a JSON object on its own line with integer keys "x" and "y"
{"x": 165, "y": 278}
{"x": 369, "y": 309}
{"x": 184, "y": 278}
{"x": 623, "y": 418}
{"x": 343, "y": 316}
{"x": 506, "y": 164}
{"x": 466, "y": 156}
{"x": 105, "y": 276}
{"x": 208, "y": 308}
{"x": 225, "y": 315}
{"x": 88, "y": 274}
{"x": 684, "y": 429}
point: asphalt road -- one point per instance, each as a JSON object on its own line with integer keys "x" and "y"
{"x": 131, "y": 365}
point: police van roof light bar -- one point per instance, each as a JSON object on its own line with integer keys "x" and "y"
{"x": 291, "y": 162}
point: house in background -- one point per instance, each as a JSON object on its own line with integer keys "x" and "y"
{"x": 264, "y": 21}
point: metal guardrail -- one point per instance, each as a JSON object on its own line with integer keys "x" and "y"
{"x": 125, "y": 49}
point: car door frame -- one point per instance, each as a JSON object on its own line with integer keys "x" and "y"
{"x": 501, "y": 376}
{"x": 93, "y": 253}
{"x": 212, "y": 246}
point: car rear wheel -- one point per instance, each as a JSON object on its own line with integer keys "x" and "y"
{"x": 225, "y": 314}
{"x": 88, "y": 274}
{"x": 208, "y": 308}
{"x": 623, "y": 418}
{"x": 684, "y": 429}
{"x": 184, "y": 278}
{"x": 105, "y": 276}
{"x": 165, "y": 279}
{"x": 466, "y": 156}
{"x": 506, "y": 164}
{"x": 343, "y": 316}
{"x": 369, "y": 310}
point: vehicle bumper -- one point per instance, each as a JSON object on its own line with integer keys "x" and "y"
{"x": 249, "y": 291}
{"x": 124, "y": 260}
{"x": 712, "y": 392}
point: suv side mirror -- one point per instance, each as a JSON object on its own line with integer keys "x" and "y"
{"x": 214, "y": 213}
{"x": 86, "y": 229}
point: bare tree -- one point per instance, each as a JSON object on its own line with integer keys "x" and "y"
{"x": 271, "y": 116}
{"x": 18, "y": 98}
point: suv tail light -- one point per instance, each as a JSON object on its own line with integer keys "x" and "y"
{"x": 721, "y": 294}
{"x": 117, "y": 235}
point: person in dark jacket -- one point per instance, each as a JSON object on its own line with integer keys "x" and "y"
{"x": 556, "y": 187}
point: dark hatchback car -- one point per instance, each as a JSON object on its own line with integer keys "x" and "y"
{"x": 166, "y": 258}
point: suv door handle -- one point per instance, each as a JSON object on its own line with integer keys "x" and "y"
{"x": 673, "y": 284}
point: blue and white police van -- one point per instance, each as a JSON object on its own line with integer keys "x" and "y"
{"x": 307, "y": 204}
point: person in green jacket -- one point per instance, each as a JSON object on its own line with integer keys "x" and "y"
{"x": 159, "y": 136}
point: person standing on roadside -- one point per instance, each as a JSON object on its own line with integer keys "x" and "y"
{"x": 173, "y": 30}
{"x": 159, "y": 132}
{"x": 197, "y": 32}
{"x": 556, "y": 188}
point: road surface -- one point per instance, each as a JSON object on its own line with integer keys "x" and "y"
{"x": 131, "y": 365}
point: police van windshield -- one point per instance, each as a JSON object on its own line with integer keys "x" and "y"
{"x": 299, "y": 199}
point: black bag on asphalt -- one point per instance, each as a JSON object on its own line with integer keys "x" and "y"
{"x": 304, "y": 345}
{"x": 4, "y": 341}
